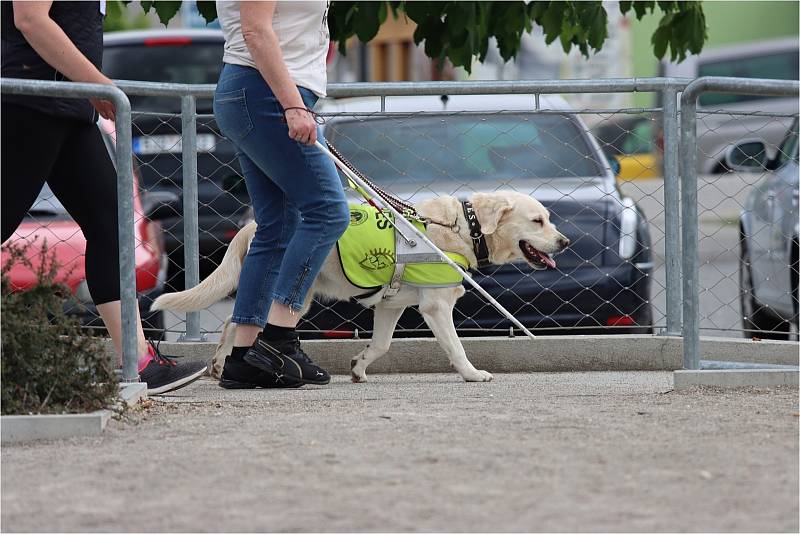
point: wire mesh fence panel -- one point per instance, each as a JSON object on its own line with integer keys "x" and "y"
{"x": 747, "y": 210}
{"x": 604, "y": 282}
{"x": 222, "y": 198}
{"x": 599, "y": 173}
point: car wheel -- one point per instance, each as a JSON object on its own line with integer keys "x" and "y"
{"x": 756, "y": 316}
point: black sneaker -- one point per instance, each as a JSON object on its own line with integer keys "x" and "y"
{"x": 237, "y": 374}
{"x": 164, "y": 374}
{"x": 285, "y": 359}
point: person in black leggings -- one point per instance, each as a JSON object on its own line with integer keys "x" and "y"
{"x": 56, "y": 140}
{"x": 71, "y": 157}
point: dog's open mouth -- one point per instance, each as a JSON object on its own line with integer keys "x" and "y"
{"x": 538, "y": 259}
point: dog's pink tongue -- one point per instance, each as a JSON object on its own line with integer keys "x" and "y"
{"x": 549, "y": 261}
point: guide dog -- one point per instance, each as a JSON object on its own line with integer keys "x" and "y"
{"x": 512, "y": 225}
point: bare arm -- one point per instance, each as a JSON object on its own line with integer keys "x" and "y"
{"x": 263, "y": 45}
{"x": 47, "y": 38}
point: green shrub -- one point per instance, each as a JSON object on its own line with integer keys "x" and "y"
{"x": 48, "y": 366}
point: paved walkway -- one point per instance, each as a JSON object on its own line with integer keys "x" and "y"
{"x": 526, "y": 452}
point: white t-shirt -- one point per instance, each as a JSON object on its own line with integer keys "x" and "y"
{"x": 302, "y": 30}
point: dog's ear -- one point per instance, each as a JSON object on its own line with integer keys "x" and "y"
{"x": 490, "y": 209}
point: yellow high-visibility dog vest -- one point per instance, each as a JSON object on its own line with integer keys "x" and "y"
{"x": 367, "y": 254}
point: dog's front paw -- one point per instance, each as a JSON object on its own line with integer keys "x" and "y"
{"x": 478, "y": 376}
{"x": 357, "y": 374}
{"x": 215, "y": 368}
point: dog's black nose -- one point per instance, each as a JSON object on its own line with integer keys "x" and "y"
{"x": 563, "y": 242}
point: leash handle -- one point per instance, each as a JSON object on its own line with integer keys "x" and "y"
{"x": 351, "y": 175}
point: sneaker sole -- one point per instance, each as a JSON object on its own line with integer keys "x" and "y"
{"x": 256, "y": 360}
{"x": 172, "y": 386}
{"x": 235, "y": 384}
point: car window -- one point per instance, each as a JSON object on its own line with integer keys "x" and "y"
{"x": 777, "y": 65}
{"x": 466, "y": 147}
{"x": 640, "y": 140}
{"x": 788, "y": 150}
{"x": 195, "y": 63}
{"x": 633, "y": 136}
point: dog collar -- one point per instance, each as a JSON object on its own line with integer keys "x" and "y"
{"x": 478, "y": 239}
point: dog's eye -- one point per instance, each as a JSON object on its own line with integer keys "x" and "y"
{"x": 538, "y": 220}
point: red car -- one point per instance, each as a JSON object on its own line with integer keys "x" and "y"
{"x": 48, "y": 222}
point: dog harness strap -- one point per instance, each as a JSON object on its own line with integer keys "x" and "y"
{"x": 478, "y": 239}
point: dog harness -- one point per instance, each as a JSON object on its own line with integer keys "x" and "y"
{"x": 368, "y": 255}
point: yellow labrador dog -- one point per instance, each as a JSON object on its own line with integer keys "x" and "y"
{"x": 515, "y": 227}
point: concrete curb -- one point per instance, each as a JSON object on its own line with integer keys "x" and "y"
{"x": 731, "y": 378}
{"x": 132, "y": 392}
{"x": 19, "y": 428}
{"x": 519, "y": 354}
{"x": 495, "y": 354}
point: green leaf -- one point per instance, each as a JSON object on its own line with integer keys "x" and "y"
{"x": 660, "y": 40}
{"x": 166, "y": 9}
{"x": 598, "y": 30}
{"x": 208, "y": 10}
{"x": 552, "y": 21}
{"x": 640, "y": 8}
{"x": 367, "y": 20}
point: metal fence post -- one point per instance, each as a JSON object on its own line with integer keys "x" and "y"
{"x": 127, "y": 247}
{"x": 690, "y": 223}
{"x": 672, "y": 210}
{"x": 690, "y": 330}
{"x": 191, "y": 246}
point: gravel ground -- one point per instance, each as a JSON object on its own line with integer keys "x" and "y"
{"x": 526, "y": 452}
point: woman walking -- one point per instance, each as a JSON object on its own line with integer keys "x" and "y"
{"x": 56, "y": 140}
{"x": 274, "y": 72}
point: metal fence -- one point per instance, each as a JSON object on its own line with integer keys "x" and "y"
{"x": 623, "y": 270}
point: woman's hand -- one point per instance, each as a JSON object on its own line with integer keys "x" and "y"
{"x": 104, "y": 107}
{"x": 302, "y": 127}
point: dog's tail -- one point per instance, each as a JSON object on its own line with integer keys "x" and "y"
{"x": 219, "y": 283}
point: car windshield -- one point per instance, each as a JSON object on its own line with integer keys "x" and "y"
{"x": 194, "y": 63}
{"x": 490, "y": 146}
{"x": 47, "y": 206}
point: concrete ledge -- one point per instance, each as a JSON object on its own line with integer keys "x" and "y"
{"x": 520, "y": 354}
{"x": 731, "y": 378}
{"x": 132, "y": 392}
{"x": 746, "y": 350}
{"x": 18, "y": 428}
{"x": 495, "y": 354}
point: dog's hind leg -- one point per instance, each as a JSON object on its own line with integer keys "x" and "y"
{"x": 385, "y": 321}
{"x": 223, "y": 349}
{"x": 436, "y": 307}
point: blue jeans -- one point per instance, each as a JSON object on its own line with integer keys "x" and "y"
{"x": 298, "y": 200}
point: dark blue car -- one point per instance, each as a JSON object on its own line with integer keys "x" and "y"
{"x": 432, "y": 146}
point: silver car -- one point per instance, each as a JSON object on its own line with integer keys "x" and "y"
{"x": 768, "y": 271}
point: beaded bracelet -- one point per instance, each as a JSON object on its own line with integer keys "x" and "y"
{"x": 317, "y": 118}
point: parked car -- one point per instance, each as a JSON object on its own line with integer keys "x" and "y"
{"x": 768, "y": 228}
{"x": 602, "y": 281}
{"x": 181, "y": 56}
{"x": 47, "y": 222}
{"x": 716, "y": 132}
{"x": 636, "y": 143}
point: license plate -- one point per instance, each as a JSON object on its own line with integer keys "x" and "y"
{"x": 170, "y": 144}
